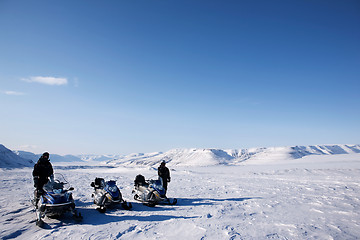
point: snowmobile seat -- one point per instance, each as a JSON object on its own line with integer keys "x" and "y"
{"x": 55, "y": 185}
{"x": 99, "y": 183}
{"x": 140, "y": 180}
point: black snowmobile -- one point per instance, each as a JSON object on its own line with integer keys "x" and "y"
{"x": 151, "y": 192}
{"x": 106, "y": 194}
{"x": 55, "y": 201}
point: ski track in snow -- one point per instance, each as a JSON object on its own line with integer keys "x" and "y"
{"x": 218, "y": 202}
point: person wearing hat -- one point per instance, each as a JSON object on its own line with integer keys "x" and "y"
{"x": 164, "y": 174}
{"x": 41, "y": 173}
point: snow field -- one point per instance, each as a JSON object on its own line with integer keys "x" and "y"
{"x": 296, "y": 200}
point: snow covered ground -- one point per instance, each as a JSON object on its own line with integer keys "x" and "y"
{"x": 315, "y": 197}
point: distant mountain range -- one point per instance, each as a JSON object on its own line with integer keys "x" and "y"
{"x": 53, "y": 157}
{"x": 206, "y": 157}
{"x": 8, "y": 159}
{"x": 183, "y": 157}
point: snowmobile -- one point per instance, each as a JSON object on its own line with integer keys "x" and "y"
{"x": 107, "y": 194}
{"x": 151, "y": 192}
{"x": 55, "y": 200}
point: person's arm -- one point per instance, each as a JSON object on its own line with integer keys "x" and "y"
{"x": 168, "y": 174}
{"x": 35, "y": 174}
{"x": 51, "y": 170}
{"x": 35, "y": 171}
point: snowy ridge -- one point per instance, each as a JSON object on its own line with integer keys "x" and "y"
{"x": 300, "y": 151}
{"x": 184, "y": 157}
{"x": 136, "y": 159}
{"x": 9, "y": 159}
{"x": 96, "y": 158}
{"x": 192, "y": 156}
{"x": 53, "y": 157}
{"x": 208, "y": 157}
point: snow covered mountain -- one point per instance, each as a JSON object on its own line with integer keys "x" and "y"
{"x": 196, "y": 157}
{"x": 53, "y": 157}
{"x": 207, "y": 157}
{"x": 8, "y": 159}
{"x": 97, "y": 158}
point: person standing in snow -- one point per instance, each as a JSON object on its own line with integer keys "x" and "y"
{"x": 164, "y": 174}
{"x": 41, "y": 173}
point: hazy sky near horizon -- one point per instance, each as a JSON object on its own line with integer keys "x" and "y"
{"x": 117, "y": 77}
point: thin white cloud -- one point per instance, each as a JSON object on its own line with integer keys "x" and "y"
{"x": 28, "y": 147}
{"x": 14, "y": 93}
{"x": 47, "y": 80}
{"x": 76, "y": 82}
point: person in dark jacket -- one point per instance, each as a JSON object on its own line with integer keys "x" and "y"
{"x": 164, "y": 174}
{"x": 41, "y": 173}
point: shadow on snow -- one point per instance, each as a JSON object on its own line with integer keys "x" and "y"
{"x": 209, "y": 201}
{"x": 93, "y": 217}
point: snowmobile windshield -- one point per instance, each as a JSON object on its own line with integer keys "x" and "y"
{"x": 157, "y": 184}
{"x": 111, "y": 186}
{"x": 112, "y": 189}
{"x": 111, "y": 183}
{"x": 56, "y": 185}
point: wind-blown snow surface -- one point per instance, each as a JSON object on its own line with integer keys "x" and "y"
{"x": 314, "y": 197}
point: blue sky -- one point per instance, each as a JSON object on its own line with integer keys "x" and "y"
{"x": 117, "y": 77}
